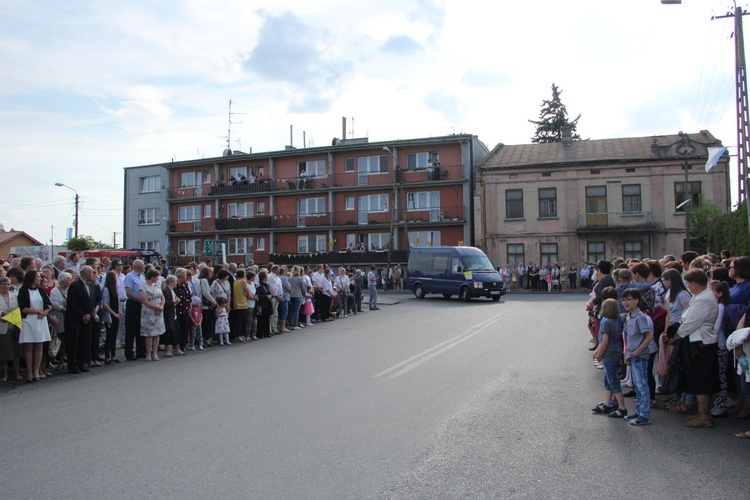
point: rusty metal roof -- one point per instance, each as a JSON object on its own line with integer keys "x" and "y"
{"x": 596, "y": 151}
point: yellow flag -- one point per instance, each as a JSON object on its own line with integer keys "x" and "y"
{"x": 13, "y": 317}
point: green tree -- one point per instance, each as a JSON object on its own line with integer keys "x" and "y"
{"x": 701, "y": 219}
{"x": 85, "y": 243}
{"x": 730, "y": 232}
{"x": 552, "y": 118}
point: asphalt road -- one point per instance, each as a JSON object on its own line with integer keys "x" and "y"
{"x": 423, "y": 399}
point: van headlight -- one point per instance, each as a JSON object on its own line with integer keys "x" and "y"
{"x": 478, "y": 284}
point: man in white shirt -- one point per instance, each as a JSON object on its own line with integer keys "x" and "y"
{"x": 274, "y": 285}
{"x": 372, "y": 288}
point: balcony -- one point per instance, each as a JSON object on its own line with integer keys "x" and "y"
{"x": 242, "y": 188}
{"x": 258, "y": 222}
{"x": 616, "y": 221}
{"x": 188, "y": 192}
{"x": 192, "y": 226}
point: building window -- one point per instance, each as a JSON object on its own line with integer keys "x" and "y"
{"x": 315, "y": 168}
{"x": 261, "y": 247}
{"x": 349, "y": 165}
{"x": 188, "y": 213}
{"x": 240, "y": 210}
{"x": 189, "y": 247}
{"x": 596, "y": 251}
{"x": 149, "y": 245}
{"x": 423, "y": 200}
{"x": 378, "y": 241}
{"x": 694, "y": 191}
{"x": 596, "y": 199}
{"x": 207, "y": 211}
{"x": 514, "y": 204}
{"x": 374, "y": 203}
{"x": 424, "y": 239}
{"x": 631, "y": 198}
{"x": 150, "y": 184}
{"x": 548, "y": 252}
{"x": 633, "y": 250}
{"x": 193, "y": 179}
{"x": 148, "y": 216}
{"x": 261, "y": 208}
{"x": 237, "y": 173}
{"x": 548, "y": 202}
{"x": 311, "y": 206}
{"x": 311, "y": 243}
{"x": 239, "y": 246}
{"x": 350, "y": 203}
{"x": 372, "y": 164}
{"x": 515, "y": 253}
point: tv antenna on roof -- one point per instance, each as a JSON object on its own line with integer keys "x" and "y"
{"x": 229, "y": 127}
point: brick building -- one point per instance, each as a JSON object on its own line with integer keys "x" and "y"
{"x": 310, "y": 204}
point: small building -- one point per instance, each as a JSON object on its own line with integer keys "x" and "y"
{"x": 581, "y": 201}
{"x": 11, "y": 239}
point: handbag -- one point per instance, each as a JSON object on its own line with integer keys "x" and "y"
{"x": 54, "y": 346}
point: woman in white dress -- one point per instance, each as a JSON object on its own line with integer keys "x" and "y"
{"x": 35, "y": 306}
{"x": 152, "y": 314}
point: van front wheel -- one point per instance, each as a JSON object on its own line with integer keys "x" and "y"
{"x": 419, "y": 292}
{"x": 465, "y": 294}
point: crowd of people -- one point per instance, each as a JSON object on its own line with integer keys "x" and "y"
{"x": 75, "y": 313}
{"x": 672, "y": 328}
{"x": 548, "y": 277}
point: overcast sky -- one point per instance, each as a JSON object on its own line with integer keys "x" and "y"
{"x": 90, "y": 87}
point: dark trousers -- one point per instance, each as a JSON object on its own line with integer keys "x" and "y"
{"x": 208, "y": 325}
{"x": 318, "y": 305}
{"x": 110, "y": 342}
{"x": 133, "y": 330}
{"x": 325, "y": 307}
{"x": 72, "y": 340}
{"x": 264, "y": 324}
{"x": 240, "y": 322}
{"x": 183, "y": 320}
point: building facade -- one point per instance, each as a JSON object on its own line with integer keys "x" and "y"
{"x": 326, "y": 203}
{"x": 583, "y": 201}
{"x": 146, "y": 211}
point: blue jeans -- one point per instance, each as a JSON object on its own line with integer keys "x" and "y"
{"x": 294, "y": 305}
{"x": 283, "y": 310}
{"x": 343, "y": 304}
{"x": 612, "y": 375}
{"x": 373, "y": 289}
{"x": 639, "y": 373}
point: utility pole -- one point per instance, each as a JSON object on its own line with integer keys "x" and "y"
{"x": 114, "y": 239}
{"x": 686, "y": 150}
{"x": 743, "y": 117}
{"x": 391, "y": 239}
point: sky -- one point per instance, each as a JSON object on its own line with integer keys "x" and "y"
{"x": 90, "y": 87}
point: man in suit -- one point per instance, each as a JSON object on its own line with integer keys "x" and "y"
{"x": 78, "y": 322}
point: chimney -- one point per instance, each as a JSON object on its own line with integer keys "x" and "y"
{"x": 343, "y": 127}
{"x": 566, "y": 134}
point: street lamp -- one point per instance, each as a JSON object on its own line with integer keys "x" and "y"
{"x": 75, "y": 220}
{"x": 686, "y": 150}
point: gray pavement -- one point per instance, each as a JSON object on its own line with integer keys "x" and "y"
{"x": 423, "y": 399}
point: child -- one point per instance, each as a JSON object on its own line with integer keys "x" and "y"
{"x": 222, "y": 321}
{"x": 196, "y": 317}
{"x": 639, "y": 332}
{"x": 608, "y": 353}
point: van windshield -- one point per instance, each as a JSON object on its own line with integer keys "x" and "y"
{"x": 477, "y": 263}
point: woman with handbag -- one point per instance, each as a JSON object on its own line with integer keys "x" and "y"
{"x": 208, "y": 304}
{"x": 35, "y": 306}
{"x": 8, "y": 331}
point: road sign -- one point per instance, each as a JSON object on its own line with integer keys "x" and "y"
{"x": 212, "y": 248}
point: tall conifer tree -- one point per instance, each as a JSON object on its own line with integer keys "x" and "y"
{"x": 552, "y": 118}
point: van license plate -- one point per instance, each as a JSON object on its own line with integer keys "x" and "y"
{"x": 496, "y": 292}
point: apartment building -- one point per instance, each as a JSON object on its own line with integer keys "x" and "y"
{"x": 587, "y": 200}
{"x": 332, "y": 204}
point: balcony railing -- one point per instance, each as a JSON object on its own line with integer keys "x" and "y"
{"x": 188, "y": 192}
{"x": 606, "y": 221}
{"x": 243, "y": 188}
{"x": 257, "y": 222}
